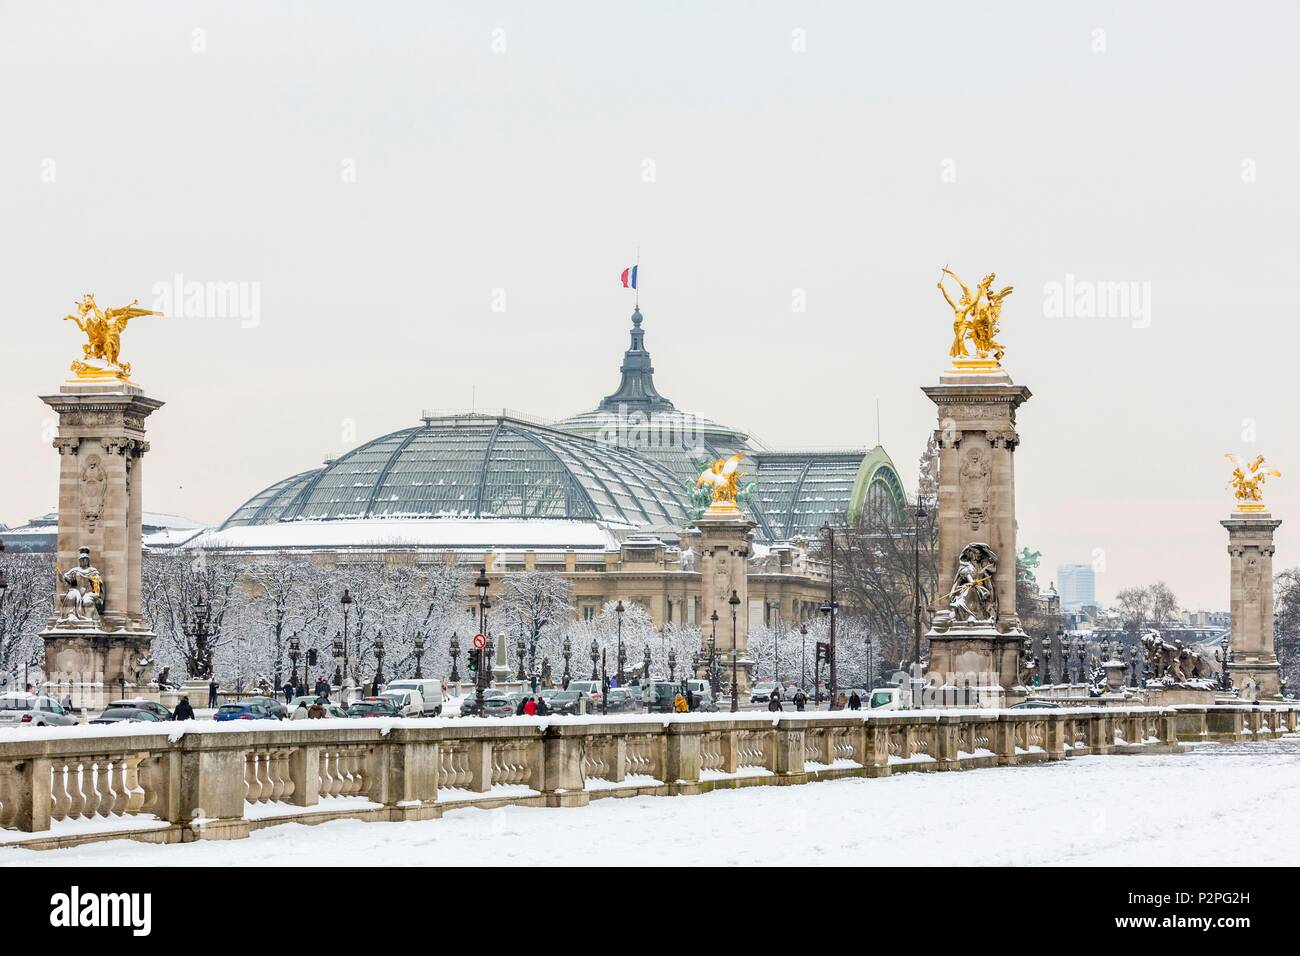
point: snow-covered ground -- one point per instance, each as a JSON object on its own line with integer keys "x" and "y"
{"x": 1221, "y": 804}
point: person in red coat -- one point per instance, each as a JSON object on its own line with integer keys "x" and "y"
{"x": 530, "y": 707}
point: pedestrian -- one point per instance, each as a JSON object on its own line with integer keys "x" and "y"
{"x": 300, "y": 712}
{"x": 317, "y": 709}
{"x": 519, "y": 707}
{"x": 840, "y": 701}
{"x": 287, "y": 690}
{"x": 800, "y": 699}
{"x": 183, "y": 710}
{"x": 855, "y": 702}
{"x": 29, "y": 688}
{"x": 212, "y": 693}
{"x": 679, "y": 704}
{"x": 774, "y": 701}
{"x": 542, "y": 709}
{"x": 530, "y": 707}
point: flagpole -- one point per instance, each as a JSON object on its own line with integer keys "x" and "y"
{"x": 637, "y": 290}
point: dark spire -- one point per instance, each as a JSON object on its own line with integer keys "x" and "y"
{"x": 636, "y": 391}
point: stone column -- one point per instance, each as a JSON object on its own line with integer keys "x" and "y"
{"x": 977, "y": 440}
{"x": 101, "y": 443}
{"x": 1250, "y": 549}
{"x": 724, "y": 565}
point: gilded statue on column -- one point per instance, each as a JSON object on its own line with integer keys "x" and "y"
{"x": 722, "y": 478}
{"x": 976, "y": 314}
{"x": 103, "y": 328}
{"x": 1247, "y": 481}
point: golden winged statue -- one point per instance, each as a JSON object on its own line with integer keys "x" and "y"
{"x": 975, "y": 318}
{"x": 723, "y": 480}
{"x": 1247, "y": 481}
{"x": 102, "y": 351}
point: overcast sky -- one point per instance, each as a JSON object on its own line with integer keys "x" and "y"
{"x": 388, "y": 177}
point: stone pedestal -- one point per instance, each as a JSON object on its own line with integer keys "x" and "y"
{"x": 1254, "y": 666}
{"x": 96, "y": 657}
{"x": 723, "y": 544}
{"x": 976, "y": 403}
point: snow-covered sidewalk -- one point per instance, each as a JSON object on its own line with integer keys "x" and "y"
{"x": 1221, "y": 804}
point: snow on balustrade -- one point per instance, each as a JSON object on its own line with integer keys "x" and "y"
{"x": 85, "y": 781}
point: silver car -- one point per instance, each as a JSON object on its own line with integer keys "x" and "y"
{"x": 30, "y": 710}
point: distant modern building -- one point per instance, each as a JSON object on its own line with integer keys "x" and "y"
{"x": 1077, "y": 584}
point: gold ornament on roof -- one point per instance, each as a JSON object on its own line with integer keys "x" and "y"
{"x": 1247, "y": 481}
{"x": 723, "y": 481}
{"x": 103, "y": 347}
{"x": 976, "y": 314}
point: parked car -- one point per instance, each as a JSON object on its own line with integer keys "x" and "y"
{"x": 254, "y": 709}
{"x": 761, "y": 693}
{"x": 31, "y": 710}
{"x": 660, "y": 696}
{"x": 123, "y": 714}
{"x": 430, "y": 692}
{"x": 622, "y": 700}
{"x": 1036, "y": 704}
{"x": 563, "y": 701}
{"x": 491, "y": 693}
{"x": 373, "y": 707}
{"x": 141, "y": 703}
{"x": 589, "y": 687}
{"x": 409, "y": 703}
{"x": 274, "y": 705}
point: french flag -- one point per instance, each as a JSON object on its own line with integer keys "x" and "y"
{"x": 629, "y": 277}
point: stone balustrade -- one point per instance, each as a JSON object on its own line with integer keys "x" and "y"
{"x": 217, "y": 782}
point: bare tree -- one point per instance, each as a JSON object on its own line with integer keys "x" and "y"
{"x": 1286, "y": 624}
{"x": 25, "y": 608}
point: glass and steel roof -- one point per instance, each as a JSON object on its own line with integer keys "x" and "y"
{"x": 479, "y": 466}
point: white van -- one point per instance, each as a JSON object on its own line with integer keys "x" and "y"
{"x": 429, "y": 691}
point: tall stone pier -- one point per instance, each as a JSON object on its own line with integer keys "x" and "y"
{"x": 724, "y": 547}
{"x": 97, "y": 644}
{"x": 1254, "y": 669}
{"x": 976, "y": 661}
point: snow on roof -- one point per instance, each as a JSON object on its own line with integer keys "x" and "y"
{"x": 436, "y": 533}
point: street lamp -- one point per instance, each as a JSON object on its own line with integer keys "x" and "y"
{"x": 803, "y": 656}
{"x": 295, "y": 649}
{"x": 920, "y": 515}
{"x": 1225, "y": 658}
{"x": 595, "y": 657}
{"x": 419, "y": 655}
{"x": 454, "y": 649}
{"x": 734, "y": 601}
{"x": 713, "y": 656}
{"x": 338, "y": 662}
{"x": 521, "y": 648}
{"x": 672, "y": 666}
{"x": 198, "y": 630}
{"x": 482, "y": 584}
{"x": 645, "y": 666}
{"x": 379, "y": 662}
{"x": 566, "y": 650}
{"x": 622, "y": 656}
{"x": 346, "y": 600}
{"x": 830, "y": 608}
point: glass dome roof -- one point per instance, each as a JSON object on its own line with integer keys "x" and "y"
{"x": 477, "y": 466}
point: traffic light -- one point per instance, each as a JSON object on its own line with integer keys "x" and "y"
{"x": 474, "y": 656}
{"x": 823, "y": 652}
{"x": 311, "y": 657}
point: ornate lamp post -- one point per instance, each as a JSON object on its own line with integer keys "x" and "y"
{"x": 734, "y": 601}
{"x": 645, "y": 666}
{"x": 604, "y": 686}
{"x": 1046, "y": 644}
{"x": 419, "y": 655}
{"x": 803, "y": 656}
{"x": 713, "y": 656}
{"x": 1083, "y": 661}
{"x": 454, "y": 649}
{"x": 482, "y": 583}
{"x": 338, "y": 662}
{"x": 295, "y": 649}
{"x": 199, "y": 631}
{"x": 379, "y": 661}
{"x": 831, "y": 609}
{"x": 521, "y": 648}
{"x": 622, "y": 655}
{"x": 566, "y": 649}
{"x": 346, "y": 600}
{"x": 672, "y": 666}
{"x": 1225, "y": 658}
{"x": 595, "y": 659}
{"x": 919, "y": 514}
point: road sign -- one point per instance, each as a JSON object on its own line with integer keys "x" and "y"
{"x": 480, "y": 641}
